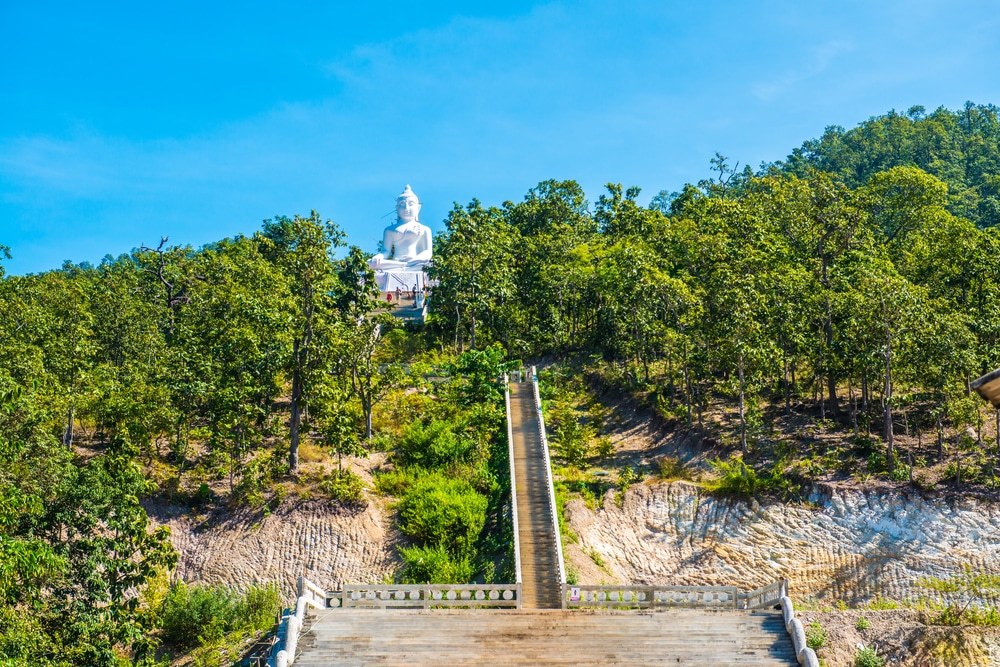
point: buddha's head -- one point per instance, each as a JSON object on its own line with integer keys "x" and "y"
{"x": 408, "y": 206}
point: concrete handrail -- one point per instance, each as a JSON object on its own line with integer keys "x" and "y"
{"x": 805, "y": 655}
{"x": 513, "y": 484}
{"x": 283, "y": 651}
{"x": 548, "y": 478}
{"x": 766, "y": 596}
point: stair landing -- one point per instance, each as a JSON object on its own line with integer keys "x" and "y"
{"x": 342, "y": 638}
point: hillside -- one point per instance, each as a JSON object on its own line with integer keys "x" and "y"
{"x": 766, "y": 374}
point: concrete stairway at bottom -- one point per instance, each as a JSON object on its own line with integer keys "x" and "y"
{"x": 351, "y": 638}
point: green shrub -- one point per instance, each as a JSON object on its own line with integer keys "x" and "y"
{"x": 433, "y": 565}
{"x": 394, "y": 482}
{"x": 605, "y": 449}
{"x": 671, "y": 468}
{"x": 572, "y": 440}
{"x": 434, "y": 445}
{"x": 880, "y": 603}
{"x": 344, "y": 486}
{"x": 443, "y": 511}
{"x": 627, "y": 476}
{"x": 815, "y": 636}
{"x": 202, "y": 496}
{"x": 259, "y": 607}
{"x": 868, "y": 657}
{"x": 901, "y": 473}
{"x": 862, "y": 624}
{"x": 736, "y": 478}
{"x": 188, "y": 611}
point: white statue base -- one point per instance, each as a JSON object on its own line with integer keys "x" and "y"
{"x": 390, "y": 280}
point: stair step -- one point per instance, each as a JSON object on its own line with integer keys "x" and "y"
{"x": 517, "y": 638}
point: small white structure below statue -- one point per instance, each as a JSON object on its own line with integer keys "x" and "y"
{"x": 407, "y": 247}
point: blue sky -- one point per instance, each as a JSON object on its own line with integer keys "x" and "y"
{"x": 121, "y": 123}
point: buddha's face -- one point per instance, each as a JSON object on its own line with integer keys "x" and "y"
{"x": 408, "y": 208}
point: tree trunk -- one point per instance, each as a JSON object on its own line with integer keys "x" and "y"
{"x": 788, "y": 393}
{"x": 743, "y": 421}
{"x": 68, "y": 433}
{"x": 296, "y": 419}
{"x": 940, "y": 436}
{"x": 822, "y": 399}
{"x": 831, "y": 380}
{"x": 890, "y": 454}
{"x": 687, "y": 392}
{"x": 853, "y": 398}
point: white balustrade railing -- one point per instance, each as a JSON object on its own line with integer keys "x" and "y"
{"x": 513, "y": 483}
{"x": 287, "y": 640}
{"x": 805, "y": 655}
{"x": 426, "y": 596}
{"x": 548, "y": 478}
{"x": 765, "y": 596}
{"x": 645, "y": 597}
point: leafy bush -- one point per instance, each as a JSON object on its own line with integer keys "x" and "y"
{"x": 627, "y": 476}
{"x": 344, "y": 486}
{"x": 259, "y": 606}
{"x": 671, "y": 468}
{"x": 868, "y": 657}
{"x": 444, "y": 511}
{"x": 815, "y": 636}
{"x": 605, "y": 449}
{"x": 862, "y": 624}
{"x": 901, "y": 473}
{"x": 434, "y": 445}
{"x": 394, "y": 482}
{"x": 188, "y": 611}
{"x": 736, "y": 478}
{"x": 880, "y": 604}
{"x": 572, "y": 440}
{"x": 202, "y": 496}
{"x": 434, "y": 565}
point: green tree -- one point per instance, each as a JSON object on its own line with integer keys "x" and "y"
{"x": 302, "y": 248}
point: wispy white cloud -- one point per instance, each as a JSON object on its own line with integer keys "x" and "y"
{"x": 817, "y": 61}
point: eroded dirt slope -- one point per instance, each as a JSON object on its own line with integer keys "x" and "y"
{"x": 326, "y": 543}
{"x": 852, "y": 545}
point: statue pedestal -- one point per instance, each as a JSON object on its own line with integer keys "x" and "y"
{"x": 389, "y": 280}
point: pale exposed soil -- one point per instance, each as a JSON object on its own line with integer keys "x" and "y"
{"x": 319, "y": 539}
{"x": 848, "y": 545}
{"x": 904, "y": 639}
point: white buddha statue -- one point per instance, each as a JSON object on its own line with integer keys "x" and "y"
{"x": 406, "y": 244}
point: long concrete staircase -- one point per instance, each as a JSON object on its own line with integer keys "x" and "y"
{"x": 527, "y": 622}
{"x": 536, "y": 529}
